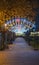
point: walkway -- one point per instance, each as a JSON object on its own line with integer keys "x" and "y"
{"x": 19, "y": 53}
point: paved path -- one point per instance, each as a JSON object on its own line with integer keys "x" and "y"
{"x": 19, "y": 53}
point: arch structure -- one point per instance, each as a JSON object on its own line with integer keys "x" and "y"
{"x": 20, "y": 25}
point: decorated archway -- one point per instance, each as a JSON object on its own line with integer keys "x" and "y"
{"x": 19, "y": 25}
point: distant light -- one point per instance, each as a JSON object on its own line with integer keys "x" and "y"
{"x": 24, "y": 20}
{"x": 5, "y": 25}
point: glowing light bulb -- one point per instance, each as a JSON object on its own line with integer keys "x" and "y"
{"x": 5, "y": 25}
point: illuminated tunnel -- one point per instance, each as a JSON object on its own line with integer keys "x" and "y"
{"x": 20, "y": 25}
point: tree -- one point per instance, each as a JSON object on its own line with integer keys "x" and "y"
{"x": 37, "y": 20}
